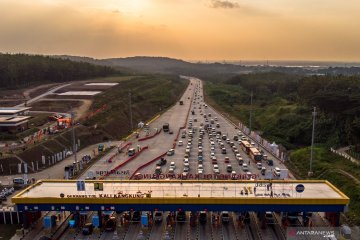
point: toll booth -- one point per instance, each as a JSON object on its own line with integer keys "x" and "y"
{"x": 30, "y": 217}
{"x": 96, "y": 221}
{"x": 8, "y": 215}
{"x": 333, "y": 218}
{"x": 49, "y": 221}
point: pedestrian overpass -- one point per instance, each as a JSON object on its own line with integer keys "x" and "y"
{"x": 187, "y": 195}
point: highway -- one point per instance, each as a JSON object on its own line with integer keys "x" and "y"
{"x": 179, "y": 116}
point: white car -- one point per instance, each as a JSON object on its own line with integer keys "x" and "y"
{"x": 171, "y": 152}
{"x": 245, "y": 167}
{"x": 259, "y": 165}
{"x": 201, "y": 167}
{"x": 186, "y": 160}
{"x": 212, "y": 154}
{"x": 180, "y": 143}
{"x": 172, "y": 165}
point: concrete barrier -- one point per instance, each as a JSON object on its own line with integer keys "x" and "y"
{"x": 124, "y": 163}
{"x": 146, "y": 164}
{"x": 149, "y": 137}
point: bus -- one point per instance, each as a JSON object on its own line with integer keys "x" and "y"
{"x": 255, "y": 154}
{"x": 245, "y": 146}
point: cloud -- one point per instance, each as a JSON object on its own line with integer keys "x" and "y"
{"x": 224, "y": 4}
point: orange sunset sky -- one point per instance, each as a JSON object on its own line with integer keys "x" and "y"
{"x": 186, "y": 29}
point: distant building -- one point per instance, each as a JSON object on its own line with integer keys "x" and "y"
{"x": 14, "y": 119}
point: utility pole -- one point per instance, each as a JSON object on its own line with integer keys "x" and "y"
{"x": 312, "y": 142}
{"x": 130, "y": 109}
{"x": 73, "y": 140}
{"x": 250, "y": 117}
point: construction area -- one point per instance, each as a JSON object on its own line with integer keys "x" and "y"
{"x": 34, "y": 123}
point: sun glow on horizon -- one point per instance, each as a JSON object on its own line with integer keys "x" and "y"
{"x": 186, "y": 29}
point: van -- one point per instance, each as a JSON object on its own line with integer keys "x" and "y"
{"x": 158, "y": 217}
{"x": 263, "y": 170}
{"x": 88, "y": 229}
{"x": 259, "y": 165}
{"x": 19, "y": 181}
{"x": 277, "y": 172}
{"x": 269, "y": 218}
{"x": 181, "y": 216}
{"x": 245, "y": 167}
{"x": 202, "y": 217}
{"x": 158, "y": 170}
{"x": 110, "y": 224}
{"x": 171, "y": 152}
{"x": 225, "y": 217}
{"x": 216, "y": 169}
{"x": 345, "y": 232}
{"x": 131, "y": 152}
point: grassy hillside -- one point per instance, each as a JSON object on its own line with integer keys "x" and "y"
{"x": 150, "y": 95}
{"x": 329, "y": 166}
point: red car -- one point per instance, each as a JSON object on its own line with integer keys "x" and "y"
{"x": 227, "y": 160}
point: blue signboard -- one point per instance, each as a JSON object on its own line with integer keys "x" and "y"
{"x": 80, "y": 185}
{"x": 300, "y": 188}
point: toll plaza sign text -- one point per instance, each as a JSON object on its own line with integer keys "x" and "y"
{"x": 110, "y": 195}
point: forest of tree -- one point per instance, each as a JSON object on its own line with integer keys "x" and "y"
{"x": 19, "y": 70}
{"x": 337, "y": 99}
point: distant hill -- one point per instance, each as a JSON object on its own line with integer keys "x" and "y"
{"x": 18, "y": 70}
{"x": 208, "y": 71}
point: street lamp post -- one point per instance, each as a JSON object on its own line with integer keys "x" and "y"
{"x": 250, "y": 117}
{"x": 310, "y": 173}
{"x": 73, "y": 139}
{"x": 130, "y": 110}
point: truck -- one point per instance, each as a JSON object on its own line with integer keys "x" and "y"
{"x": 283, "y": 174}
{"x": 166, "y": 127}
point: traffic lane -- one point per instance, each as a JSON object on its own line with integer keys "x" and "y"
{"x": 205, "y": 232}
{"x": 161, "y": 145}
{"x": 157, "y": 229}
{"x": 230, "y": 129}
{"x": 133, "y": 231}
{"x": 103, "y": 165}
